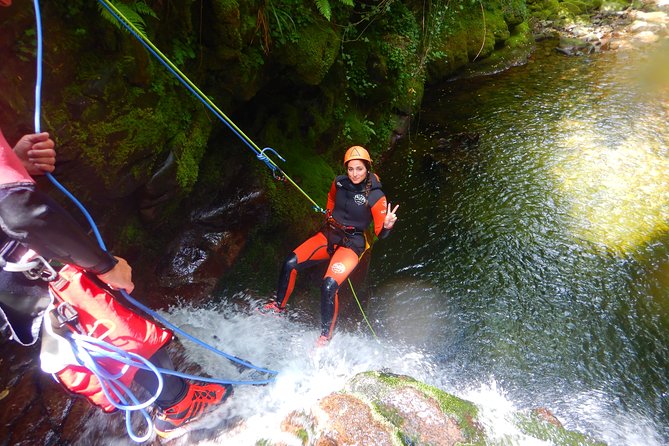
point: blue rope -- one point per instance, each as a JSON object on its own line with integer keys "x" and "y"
{"x": 38, "y": 78}
{"x": 94, "y": 227}
{"x": 90, "y": 350}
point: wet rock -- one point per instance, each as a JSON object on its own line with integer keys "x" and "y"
{"x": 574, "y": 47}
{"x": 610, "y": 30}
{"x": 202, "y": 253}
{"x": 386, "y": 409}
{"x": 378, "y": 408}
{"x": 343, "y": 419}
{"x": 35, "y": 409}
{"x": 547, "y": 415}
{"x": 160, "y": 188}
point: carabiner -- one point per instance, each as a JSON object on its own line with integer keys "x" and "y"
{"x": 268, "y": 162}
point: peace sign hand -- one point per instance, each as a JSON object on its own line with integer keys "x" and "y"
{"x": 391, "y": 217}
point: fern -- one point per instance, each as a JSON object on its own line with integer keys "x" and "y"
{"x": 143, "y": 9}
{"x": 132, "y": 13}
{"x": 324, "y": 8}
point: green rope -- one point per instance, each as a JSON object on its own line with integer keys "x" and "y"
{"x": 360, "y": 306}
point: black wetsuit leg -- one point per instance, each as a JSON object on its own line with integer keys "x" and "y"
{"x": 289, "y": 265}
{"x": 22, "y": 305}
{"x": 174, "y": 387}
{"x": 329, "y": 290}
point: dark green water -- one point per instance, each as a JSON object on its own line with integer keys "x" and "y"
{"x": 533, "y": 248}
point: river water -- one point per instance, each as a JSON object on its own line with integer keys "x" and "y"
{"x": 534, "y": 246}
{"x": 530, "y": 267}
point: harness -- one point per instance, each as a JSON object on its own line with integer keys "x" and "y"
{"x": 334, "y": 224}
{"x": 82, "y": 307}
{"x": 16, "y": 258}
{"x": 347, "y": 234}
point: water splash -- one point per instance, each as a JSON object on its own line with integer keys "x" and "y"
{"x": 307, "y": 374}
{"x": 286, "y": 344}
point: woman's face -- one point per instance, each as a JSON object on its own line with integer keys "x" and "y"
{"x": 356, "y": 171}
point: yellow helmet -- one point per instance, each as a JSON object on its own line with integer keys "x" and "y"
{"x": 357, "y": 153}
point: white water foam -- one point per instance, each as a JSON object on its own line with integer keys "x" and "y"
{"x": 307, "y": 374}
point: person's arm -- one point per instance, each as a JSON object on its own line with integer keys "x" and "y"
{"x": 384, "y": 217}
{"x": 32, "y": 217}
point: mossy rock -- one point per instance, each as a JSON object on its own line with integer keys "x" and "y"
{"x": 412, "y": 407}
{"x": 538, "y": 424}
{"x": 311, "y": 54}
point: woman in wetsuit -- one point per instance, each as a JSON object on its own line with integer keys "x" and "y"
{"x": 354, "y": 202}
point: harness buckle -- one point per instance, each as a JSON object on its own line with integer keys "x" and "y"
{"x": 347, "y": 230}
{"x": 66, "y": 315}
{"x": 40, "y": 269}
{"x": 17, "y": 258}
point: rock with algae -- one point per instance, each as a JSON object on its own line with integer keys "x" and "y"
{"x": 386, "y": 409}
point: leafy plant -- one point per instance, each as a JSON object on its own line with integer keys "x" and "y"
{"x": 133, "y": 12}
{"x": 283, "y": 21}
{"x": 325, "y": 8}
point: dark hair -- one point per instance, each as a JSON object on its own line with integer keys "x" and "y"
{"x": 368, "y": 184}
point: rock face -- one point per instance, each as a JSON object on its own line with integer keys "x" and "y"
{"x": 384, "y": 409}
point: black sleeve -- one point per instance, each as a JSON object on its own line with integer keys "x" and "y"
{"x": 33, "y": 218}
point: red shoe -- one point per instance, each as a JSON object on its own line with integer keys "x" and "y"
{"x": 323, "y": 341}
{"x": 200, "y": 399}
{"x": 272, "y": 308}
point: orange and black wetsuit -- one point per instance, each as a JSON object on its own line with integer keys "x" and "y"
{"x": 351, "y": 208}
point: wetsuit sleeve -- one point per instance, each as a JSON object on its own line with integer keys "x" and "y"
{"x": 379, "y": 210}
{"x": 11, "y": 167}
{"x": 33, "y": 218}
{"x": 331, "y": 197}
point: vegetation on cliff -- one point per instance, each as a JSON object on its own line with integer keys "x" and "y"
{"x": 306, "y": 78}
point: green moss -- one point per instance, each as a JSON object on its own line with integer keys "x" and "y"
{"x": 189, "y": 148}
{"x": 464, "y": 412}
{"x": 132, "y": 234}
{"x": 521, "y": 36}
{"x": 570, "y": 11}
{"x": 303, "y": 435}
{"x": 449, "y": 40}
{"x": 537, "y": 427}
{"x": 390, "y": 414}
{"x": 312, "y": 53}
{"x": 515, "y": 11}
{"x": 308, "y": 170}
{"x": 614, "y": 5}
